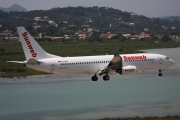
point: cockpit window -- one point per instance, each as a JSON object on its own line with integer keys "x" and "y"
{"x": 167, "y": 58}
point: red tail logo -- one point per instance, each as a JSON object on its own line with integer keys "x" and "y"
{"x": 33, "y": 53}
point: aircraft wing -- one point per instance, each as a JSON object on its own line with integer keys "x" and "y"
{"x": 115, "y": 64}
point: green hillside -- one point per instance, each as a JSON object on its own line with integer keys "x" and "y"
{"x": 61, "y": 21}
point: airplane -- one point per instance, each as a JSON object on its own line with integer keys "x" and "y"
{"x": 102, "y": 65}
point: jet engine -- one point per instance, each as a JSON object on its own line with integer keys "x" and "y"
{"x": 127, "y": 70}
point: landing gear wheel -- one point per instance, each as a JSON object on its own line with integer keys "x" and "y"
{"x": 94, "y": 78}
{"x": 106, "y": 78}
{"x": 160, "y": 74}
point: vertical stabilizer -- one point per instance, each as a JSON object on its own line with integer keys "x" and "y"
{"x": 31, "y": 48}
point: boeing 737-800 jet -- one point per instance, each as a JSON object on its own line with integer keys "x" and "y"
{"x": 103, "y": 65}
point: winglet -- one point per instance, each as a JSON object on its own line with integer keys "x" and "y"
{"x": 116, "y": 62}
{"x": 115, "y": 52}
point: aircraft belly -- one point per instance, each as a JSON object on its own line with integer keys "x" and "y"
{"x": 84, "y": 69}
{"x": 81, "y": 69}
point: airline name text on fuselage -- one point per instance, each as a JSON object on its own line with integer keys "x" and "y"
{"x": 141, "y": 57}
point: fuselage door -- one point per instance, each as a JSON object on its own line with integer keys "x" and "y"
{"x": 52, "y": 66}
{"x": 160, "y": 61}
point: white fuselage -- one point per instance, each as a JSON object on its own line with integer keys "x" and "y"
{"x": 92, "y": 64}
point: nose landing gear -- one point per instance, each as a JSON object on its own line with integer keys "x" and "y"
{"x": 160, "y": 74}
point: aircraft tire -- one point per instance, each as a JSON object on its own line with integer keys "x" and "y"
{"x": 94, "y": 78}
{"x": 106, "y": 78}
{"x": 160, "y": 74}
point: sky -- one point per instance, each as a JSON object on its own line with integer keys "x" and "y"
{"x": 149, "y": 8}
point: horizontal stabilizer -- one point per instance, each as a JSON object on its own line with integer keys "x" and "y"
{"x": 21, "y": 62}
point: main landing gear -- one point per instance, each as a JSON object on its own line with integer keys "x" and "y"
{"x": 94, "y": 78}
{"x": 160, "y": 74}
{"x": 105, "y": 78}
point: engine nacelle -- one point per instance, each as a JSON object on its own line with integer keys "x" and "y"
{"x": 127, "y": 70}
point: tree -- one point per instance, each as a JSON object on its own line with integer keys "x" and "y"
{"x": 119, "y": 36}
{"x": 166, "y": 38}
{"x": 153, "y": 36}
{"x": 95, "y": 35}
